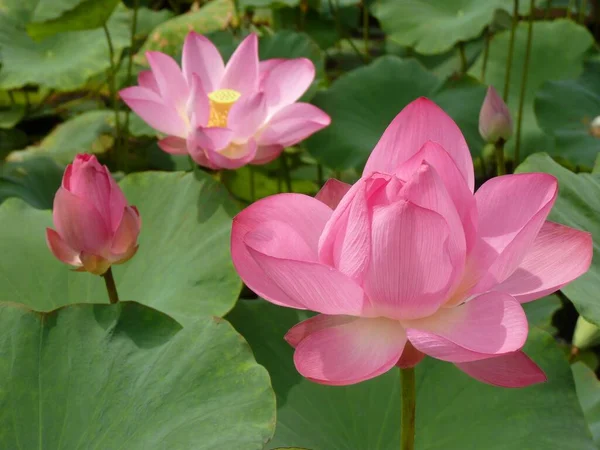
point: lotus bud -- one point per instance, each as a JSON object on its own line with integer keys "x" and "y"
{"x": 494, "y": 118}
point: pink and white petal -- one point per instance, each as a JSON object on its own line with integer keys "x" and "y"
{"x": 149, "y": 106}
{"x": 247, "y": 115}
{"x": 233, "y": 156}
{"x": 197, "y": 107}
{"x": 287, "y": 81}
{"x": 426, "y": 189}
{"x": 293, "y": 124}
{"x": 61, "y": 249}
{"x": 410, "y": 271}
{"x": 266, "y": 153}
{"x": 512, "y": 210}
{"x": 212, "y": 138}
{"x": 202, "y": 58}
{"x": 493, "y": 323}
{"x": 332, "y": 192}
{"x": 319, "y": 322}
{"x": 308, "y": 217}
{"x": 173, "y": 145}
{"x": 464, "y": 201}
{"x": 79, "y": 223}
{"x": 241, "y": 71}
{"x": 513, "y": 370}
{"x": 420, "y": 121}
{"x": 346, "y": 241}
{"x": 309, "y": 285}
{"x": 197, "y": 153}
{"x": 146, "y": 80}
{"x": 559, "y": 255}
{"x": 126, "y": 234}
{"x": 171, "y": 83}
{"x": 351, "y": 352}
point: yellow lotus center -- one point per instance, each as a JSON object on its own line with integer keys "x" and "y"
{"x": 221, "y": 102}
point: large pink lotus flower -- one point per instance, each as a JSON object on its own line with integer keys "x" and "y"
{"x": 226, "y": 116}
{"x": 95, "y": 227}
{"x": 409, "y": 262}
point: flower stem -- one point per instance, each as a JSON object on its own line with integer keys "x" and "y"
{"x": 285, "y": 169}
{"x": 136, "y": 4}
{"x": 511, "y": 46}
{"x": 113, "y": 296}
{"x": 486, "y": 53}
{"x": 524, "y": 81}
{"x": 365, "y": 25}
{"x": 463, "y": 57}
{"x": 407, "y": 379}
{"x": 252, "y": 185}
{"x": 500, "y": 165}
{"x": 112, "y": 85}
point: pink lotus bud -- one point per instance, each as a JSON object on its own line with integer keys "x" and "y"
{"x": 95, "y": 227}
{"x": 494, "y": 118}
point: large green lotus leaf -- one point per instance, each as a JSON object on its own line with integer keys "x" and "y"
{"x": 363, "y": 102}
{"x": 564, "y": 109}
{"x": 540, "y": 312}
{"x": 34, "y": 180}
{"x": 183, "y": 266}
{"x": 453, "y": 410}
{"x": 557, "y": 52}
{"x": 81, "y": 15}
{"x": 11, "y": 116}
{"x": 51, "y": 63}
{"x": 588, "y": 391}
{"x": 90, "y": 132}
{"x": 127, "y": 376}
{"x": 433, "y": 26}
{"x": 168, "y": 37}
{"x": 578, "y": 206}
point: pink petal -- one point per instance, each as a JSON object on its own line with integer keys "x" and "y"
{"x": 287, "y": 81}
{"x": 438, "y": 158}
{"x": 493, "y": 323}
{"x": 61, "y": 249}
{"x": 197, "y": 107}
{"x": 293, "y": 124}
{"x": 513, "y": 370}
{"x": 426, "y": 189}
{"x": 319, "y": 322}
{"x": 265, "y": 66}
{"x": 305, "y": 214}
{"x": 512, "y": 210}
{"x": 94, "y": 263}
{"x": 351, "y": 352}
{"x": 266, "y": 153}
{"x": 346, "y": 240}
{"x": 247, "y": 115}
{"x": 309, "y": 284}
{"x": 205, "y": 140}
{"x": 241, "y": 72}
{"x": 559, "y": 255}
{"x": 410, "y": 270}
{"x": 173, "y": 145}
{"x": 495, "y": 121}
{"x": 202, "y": 58}
{"x": 79, "y": 223}
{"x": 148, "y": 105}
{"x": 171, "y": 83}
{"x": 146, "y": 80}
{"x": 127, "y": 232}
{"x": 419, "y": 122}
{"x": 118, "y": 202}
{"x": 410, "y": 357}
{"x": 233, "y": 156}
{"x": 332, "y": 192}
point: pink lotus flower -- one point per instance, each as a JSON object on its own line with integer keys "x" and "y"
{"x": 226, "y": 116}
{"x": 495, "y": 121}
{"x": 409, "y": 262}
{"x": 94, "y": 225}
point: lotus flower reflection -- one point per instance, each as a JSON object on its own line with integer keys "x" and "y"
{"x": 409, "y": 262}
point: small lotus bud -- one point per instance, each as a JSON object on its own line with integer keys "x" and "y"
{"x": 494, "y": 118}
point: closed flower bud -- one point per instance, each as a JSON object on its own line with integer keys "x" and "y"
{"x": 94, "y": 225}
{"x": 494, "y": 118}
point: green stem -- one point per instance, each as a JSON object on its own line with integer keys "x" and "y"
{"x": 320, "y": 180}
{"x": 286, "y": 172}
{"x": 409, "y": 401}
{"x": 113, "y": 296}
{"x": 112, "y": 86}
{"x": 129, "y": 70}
{"x": 365, "y": 25}
{"x": 11, "y": 96}
{"x": 570, "y": 8}
{"x": 582, "y": 14}
{"x": 524, "y": 82}
{"x": 463, "y": 57}
{"x": 486, "y": 53}
{"x": 499, "y": 150}
{"x": 252, "y": 186}
{"x": 548, "y": 10}
{"x": 511, "y": 46}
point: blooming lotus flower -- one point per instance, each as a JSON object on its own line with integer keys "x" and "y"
{"x": 226, "y": 116}
{"x": 95, "y": 227}
{"x": 495, "y": 121}
{"x": 409, "y": 262}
